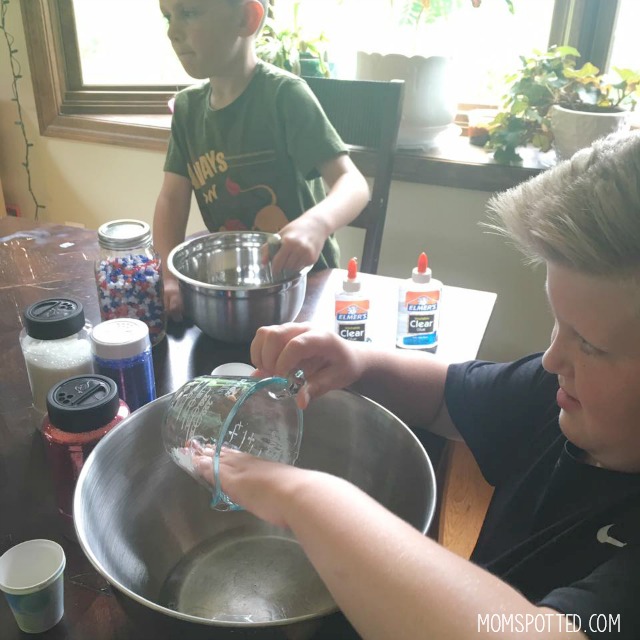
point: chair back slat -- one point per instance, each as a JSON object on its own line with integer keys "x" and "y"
{"x": 366, "y": 114}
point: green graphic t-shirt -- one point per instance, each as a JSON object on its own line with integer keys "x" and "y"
{"x": 253, "y": 164}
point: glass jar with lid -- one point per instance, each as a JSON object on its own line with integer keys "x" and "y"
{"x": 55, "y": 345}
{"x": 81, "y": 410}
{"x": 129, "y": 276}
{"x": 122, "y": 352}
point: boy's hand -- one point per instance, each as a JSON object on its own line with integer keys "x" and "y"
{"x": 328, "y": 361}
{"x": 302, "y": 242}
{"x": 261, "y": 487}
{"x": 173, "y": 299}
{"x": 255, "y": 484}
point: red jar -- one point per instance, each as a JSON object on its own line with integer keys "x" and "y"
{"x": 80, "y": 412}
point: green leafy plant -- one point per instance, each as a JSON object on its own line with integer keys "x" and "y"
{"x": 289, "y": 47}
{"x": 551, "y": 78}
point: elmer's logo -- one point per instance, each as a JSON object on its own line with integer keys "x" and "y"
{"x": 352, "y": 311}
{"x": 421, "y": 301}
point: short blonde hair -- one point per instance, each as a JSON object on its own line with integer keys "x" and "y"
{"x": 583, "y": 213}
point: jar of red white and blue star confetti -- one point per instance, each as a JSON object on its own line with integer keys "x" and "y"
{"x": 129, "y": 277}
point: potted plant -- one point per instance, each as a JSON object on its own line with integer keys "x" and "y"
{"x": 551, "y": 102}
{"x": 290, "y": 48}
{"x": 430, "y": 100}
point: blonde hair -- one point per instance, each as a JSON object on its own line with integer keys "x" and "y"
{"x": 584, "y": 213}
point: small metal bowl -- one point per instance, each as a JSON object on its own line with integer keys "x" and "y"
{"x": 227, "y": 285}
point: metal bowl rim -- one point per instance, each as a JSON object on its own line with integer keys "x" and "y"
{"x": 217, "y": 287}
{"x": 195, "y": 619}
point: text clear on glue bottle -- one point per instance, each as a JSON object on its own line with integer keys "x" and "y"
{"x": 352, "y": 307}
{"x": 419, "y": 309}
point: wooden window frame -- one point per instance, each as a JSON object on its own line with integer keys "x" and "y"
{"x": 137, "y": 116}
{"x": 121, "y": 115}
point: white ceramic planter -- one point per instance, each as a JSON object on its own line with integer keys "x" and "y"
{"x": 429, "y": 104}
{"x": 573, "y": 130}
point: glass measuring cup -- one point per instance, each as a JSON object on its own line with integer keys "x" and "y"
{"x": 252, "y": 415}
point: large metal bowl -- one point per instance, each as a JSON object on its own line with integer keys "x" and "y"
{"x": 229, "y": 290}
{"x": 178, "y": 565}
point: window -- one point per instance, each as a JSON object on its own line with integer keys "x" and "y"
{"x": 624, "y": 48}
{"x": 484, "y": 43}
{"x": 624, "y": 51}
{"x": 109, "y": 44}
{"x": 94, "y": 80}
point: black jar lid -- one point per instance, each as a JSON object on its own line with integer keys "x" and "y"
{"x": 83, "y": 403}
{"x": 54, "y": 318}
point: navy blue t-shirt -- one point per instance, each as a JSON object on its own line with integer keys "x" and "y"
{"x": 564, "y": 533}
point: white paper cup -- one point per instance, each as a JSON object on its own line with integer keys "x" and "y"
{"x": 233, "y": 369}
{"x": 31, "y": 577}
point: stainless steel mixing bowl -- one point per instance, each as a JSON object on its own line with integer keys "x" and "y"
{"x": 147, "y": 527}
{"x": 228, "y": 290}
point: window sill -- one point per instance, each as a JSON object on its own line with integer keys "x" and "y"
{"x": 455, "y": 163}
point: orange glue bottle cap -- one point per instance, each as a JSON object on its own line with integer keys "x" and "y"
{"x": 352, "y": 283}
{"x": 422, "y": 273}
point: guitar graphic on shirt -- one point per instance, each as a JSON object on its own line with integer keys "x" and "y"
{"x": 270, "y": 218}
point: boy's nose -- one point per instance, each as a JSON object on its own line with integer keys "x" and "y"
{"x": 554, "y": 359}
{"x": 173, "y": 33}
{"x": 548, "y": 360}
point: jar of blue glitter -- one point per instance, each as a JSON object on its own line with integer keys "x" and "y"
{"x": 129, "y": 276}
{"x": 122, "y": 351}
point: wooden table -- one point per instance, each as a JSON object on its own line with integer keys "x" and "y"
{"x": 41, "y": 261}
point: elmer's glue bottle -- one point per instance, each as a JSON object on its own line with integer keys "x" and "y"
{"x": 352, "y": 307}
{"x": 419, "y": 309}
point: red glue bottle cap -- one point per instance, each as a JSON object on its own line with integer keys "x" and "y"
{"x": 422, "y": 273}
{"x": 352, "y": 283}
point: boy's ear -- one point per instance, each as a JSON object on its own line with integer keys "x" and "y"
{"x": 252, "y": 14}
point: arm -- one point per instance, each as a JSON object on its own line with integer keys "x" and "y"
{"x": 411, "y": 385}
{"x": 304, "y": 237}
{"x": 169, "y": 224}
{"x": 390, "y": 580}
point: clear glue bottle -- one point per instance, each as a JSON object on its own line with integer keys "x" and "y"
{"x": 419, "y": 309}
{"x": 352, "y": 307}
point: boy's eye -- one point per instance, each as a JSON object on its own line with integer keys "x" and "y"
{"x": 182, "y": 14}
{"x": 188, "y": 14}
{"x": 588, "y": 348}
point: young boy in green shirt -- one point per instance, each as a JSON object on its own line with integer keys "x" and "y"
{"x": 252, "y": 143}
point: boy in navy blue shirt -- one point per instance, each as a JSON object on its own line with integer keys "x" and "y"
{"x": 557, "y": 434}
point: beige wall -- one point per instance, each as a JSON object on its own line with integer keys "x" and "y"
{"x": 90, "y": 184}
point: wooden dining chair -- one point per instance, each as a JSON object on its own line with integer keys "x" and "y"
{"x": 366, "y": 115}
{"x": 464, "y": 497}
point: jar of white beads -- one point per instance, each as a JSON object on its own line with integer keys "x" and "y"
{"x": 55, "y": 344}
{"x": 128, "y": 276}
